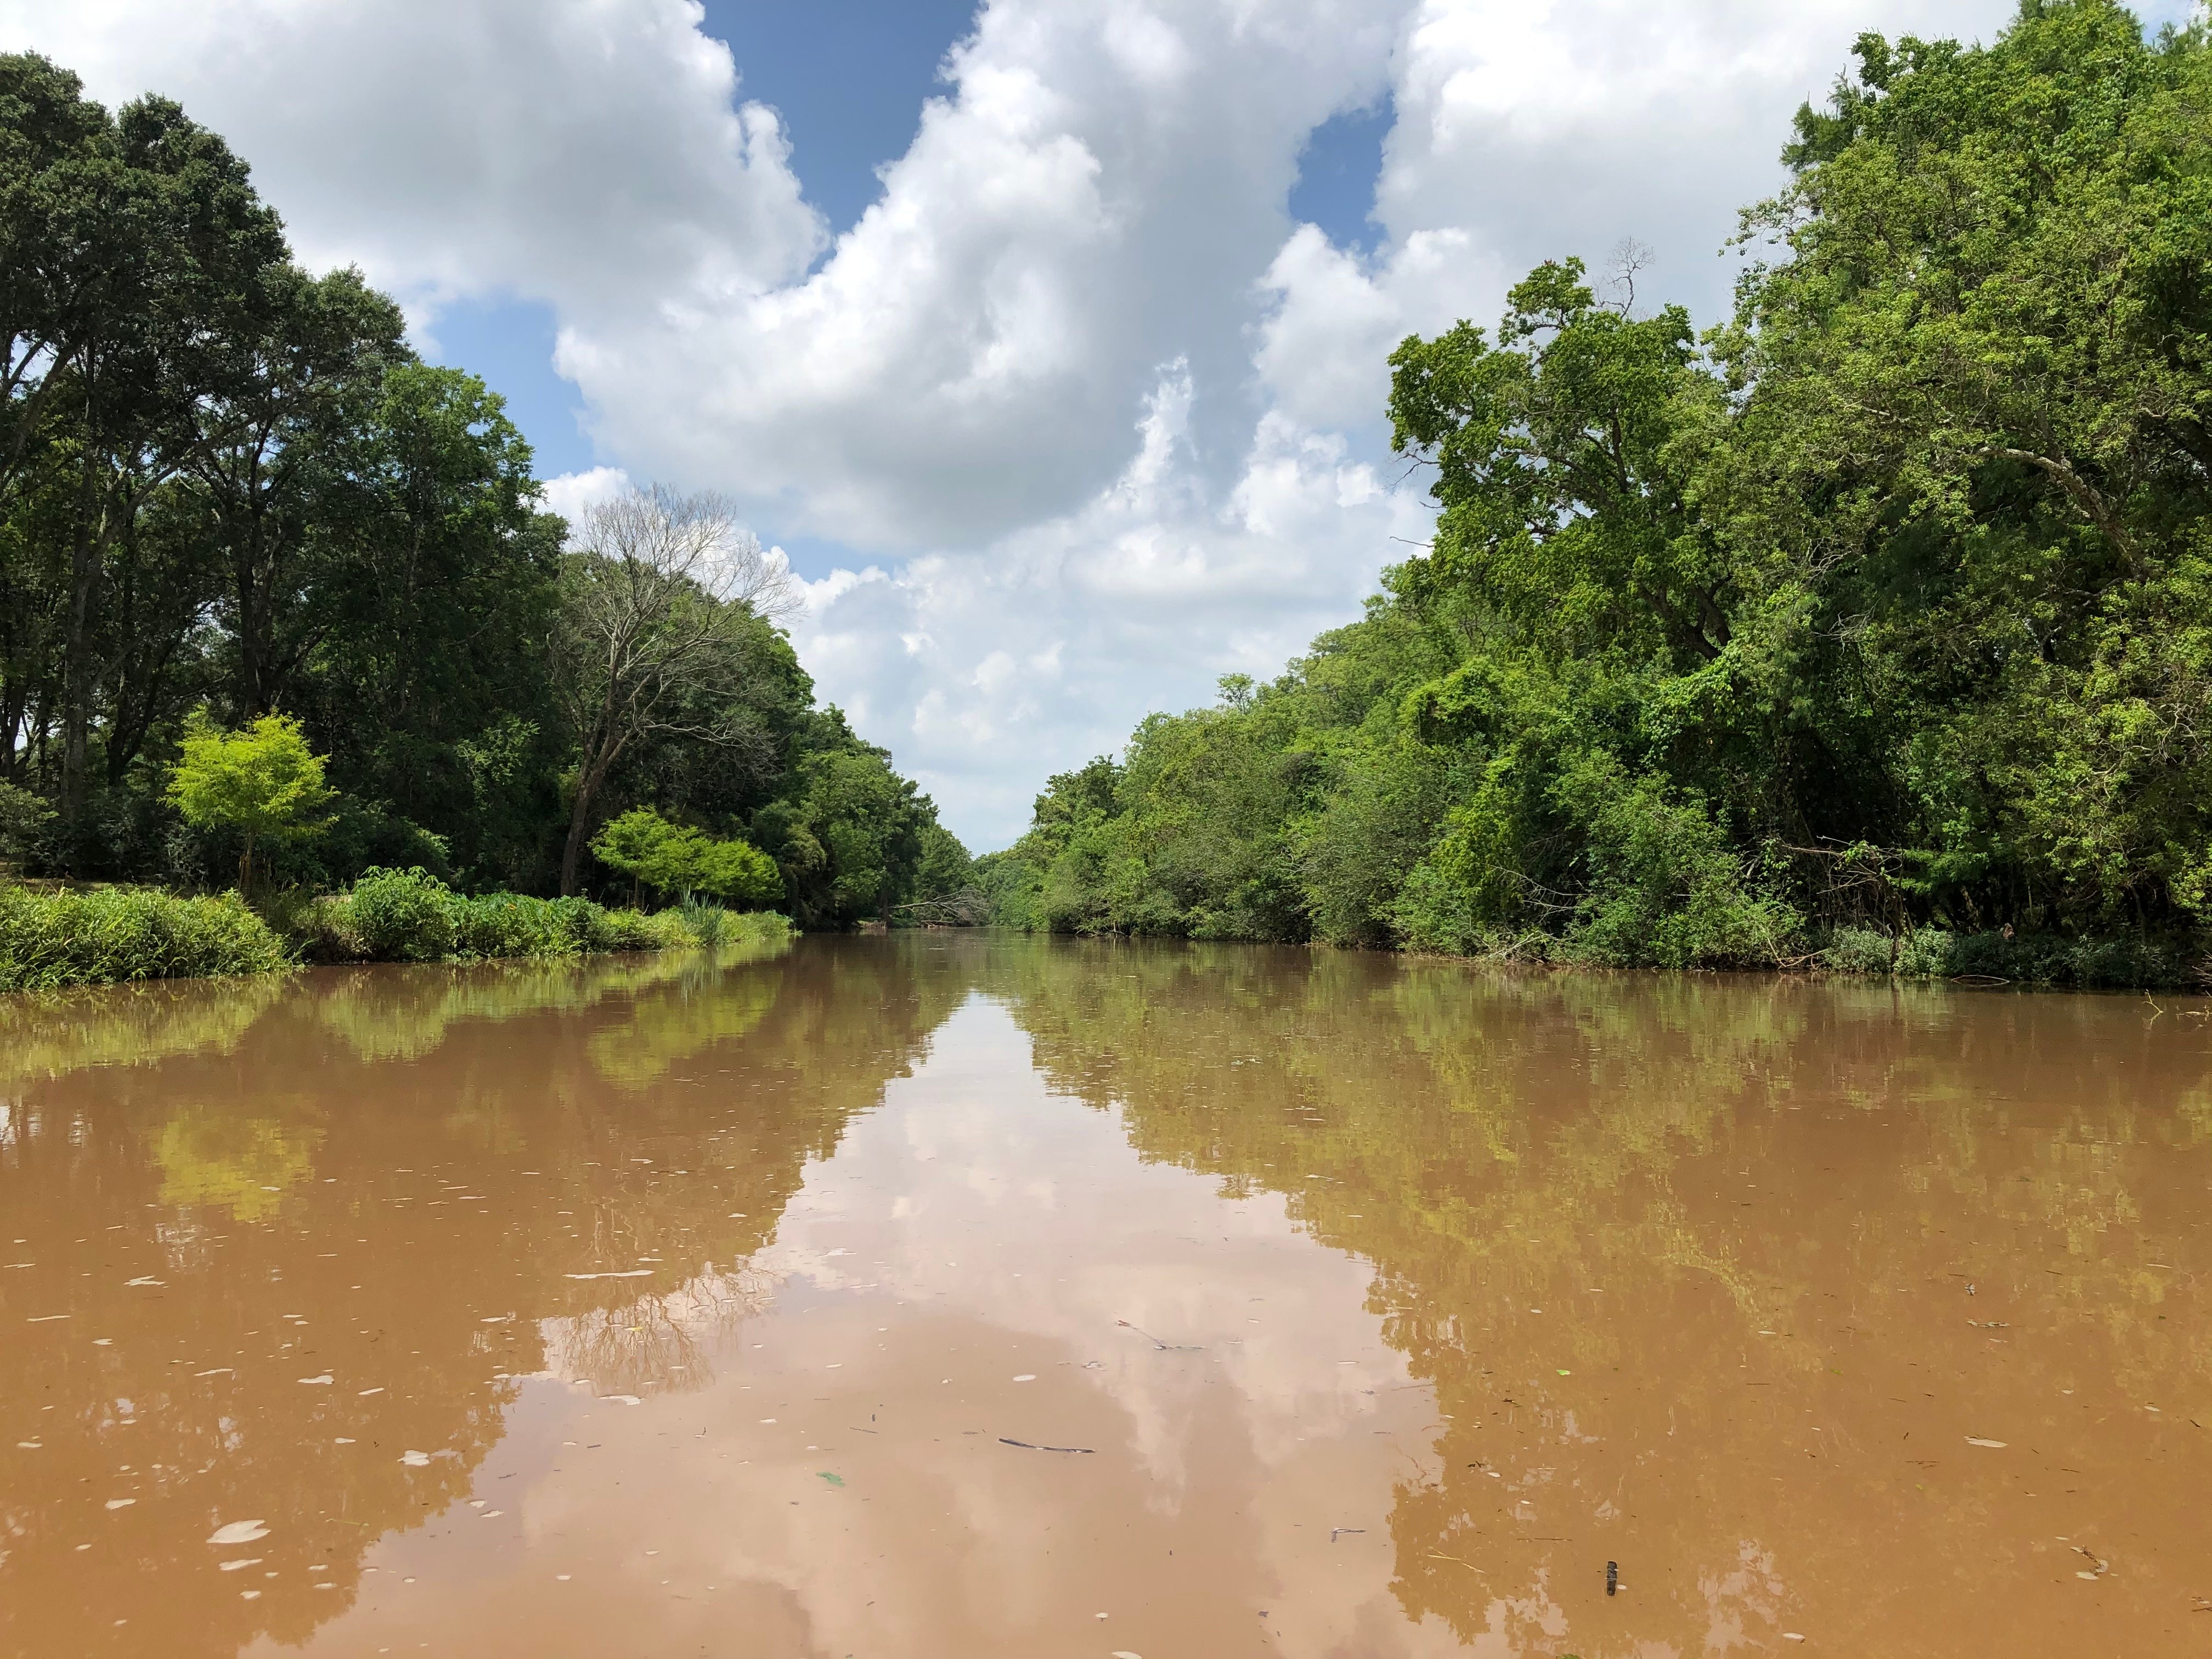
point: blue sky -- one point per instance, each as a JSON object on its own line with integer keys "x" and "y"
{"x": 1089, "y": 414}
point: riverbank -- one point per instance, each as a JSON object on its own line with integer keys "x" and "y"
{"x": 112, "y": 935}
{"x": 2126, "y": 962}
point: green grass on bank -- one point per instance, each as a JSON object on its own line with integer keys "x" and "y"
{"x": 410, "y": 915}
{"x": 52, "y": 939}
{"x": 109, "y": 935}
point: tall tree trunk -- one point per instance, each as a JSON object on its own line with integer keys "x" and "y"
{"x": 76, "y": 652}
{"x": 572, "y": 855}
{"x": 599, "y": 752}
{"x": 590, "y": 774}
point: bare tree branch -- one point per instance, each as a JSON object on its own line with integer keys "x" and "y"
{"x": 659, "y": 589}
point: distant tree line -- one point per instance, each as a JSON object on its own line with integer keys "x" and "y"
{"x": 229, "y": 489}
{"x": 1880, "y": 614}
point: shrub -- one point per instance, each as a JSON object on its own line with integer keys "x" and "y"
{"x": 401, "y": 915}
{"x": 708, "y": 923}
{"x": 23, "y": 821}
{"x": 117, "y": 933}
{"x": 2019, "y": 959}
{"x": 634, "y": 930}
{"x": 410, "y": 915}
{"x": 510, "y": 925}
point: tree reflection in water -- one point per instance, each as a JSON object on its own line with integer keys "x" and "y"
{"x": 387, "y": 1177}
{"x": 1681, "y": 1259}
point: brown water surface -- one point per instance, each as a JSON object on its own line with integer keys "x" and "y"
{"x": 954, "y": 1295}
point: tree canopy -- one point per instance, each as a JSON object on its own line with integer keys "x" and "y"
{"x": 1882, "y": 605}
{"x": 264, "y": 782}
{"x": 230, "y": 491}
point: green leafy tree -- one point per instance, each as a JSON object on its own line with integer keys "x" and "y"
{"x": 1885, "y": 604}
{"x": 737, "y": 873}
{"x": 848, "y": 840}
{"x": 227, "y": 483}
{"x": 652, "y": 637}
{"x": 679, "y": 858}
{"x": 263, "y": 782}
{"x": 629, "y": 844}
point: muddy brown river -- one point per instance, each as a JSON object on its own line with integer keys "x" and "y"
{"x": 959, "y": 1295}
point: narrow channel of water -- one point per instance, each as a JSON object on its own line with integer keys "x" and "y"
{"x": 956, "y": 1295}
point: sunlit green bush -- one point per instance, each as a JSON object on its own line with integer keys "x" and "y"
{"x": 115, "y": 933}
{"x": 410, "y": 915}
{"x": 401, "y": 915}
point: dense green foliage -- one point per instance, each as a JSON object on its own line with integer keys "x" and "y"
{"x": 410, "y": 915}
{"x": 678, "y": 860}
{"x": 229, "y": 489}
{"x": 1883, "y": 610}
{"x": 264, "y": 782}
{"x": 114, "y": 934}
{"x": 117, "y": 933}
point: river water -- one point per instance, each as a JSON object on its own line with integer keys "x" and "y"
{"x": 957, "y": 1295}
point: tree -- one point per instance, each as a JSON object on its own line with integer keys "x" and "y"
{"x": 143, "y": 244}
{"x": 228, "y": 483}
{"x": 1888, "y": 605}
{"x": 651, "y": 638}
{"x": 629, "y": 844}
{"x": 737, "y": 873}
{"x": 264, "y": 782}
{"x": 287, "y": 472}
{"x": 850, "y": 839}
{"x": 674, "y": 857}
{"x": 426, "y": 680}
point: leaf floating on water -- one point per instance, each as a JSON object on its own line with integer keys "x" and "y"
{"x": 1994, "y": 1446}
{"x": 238, "y": 1532}
{"x": 834, "y": 1480}
{"x": 415, "y": 1460}
{"x": 121, "y": 1503}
